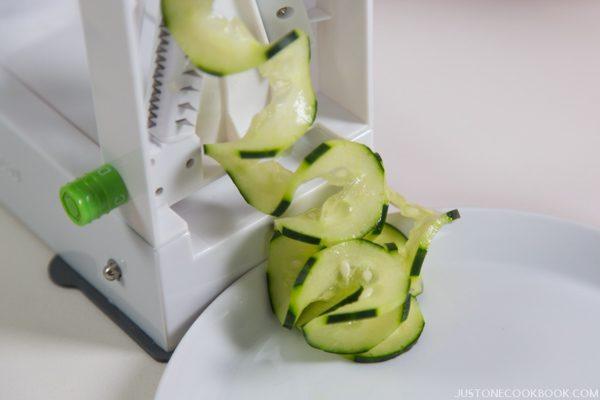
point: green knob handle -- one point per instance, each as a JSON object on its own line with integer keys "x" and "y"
{"x": 94, "y": 194}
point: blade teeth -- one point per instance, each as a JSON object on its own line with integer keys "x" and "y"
{"x": 161, "y": 50}
{"x": 192, "y": 72}
{"x": 188, "y": 89}
{"x": 183, "y": 122}
{"x": 159, "y": 67}
{"x": 186, "y": 106}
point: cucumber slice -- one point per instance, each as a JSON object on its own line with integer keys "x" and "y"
{"x": 389, "y": 234}
{"x": 286, "y": 259}
{"x": 290, "y": 112}
{"x": 261, "y": 183}
{"x": 213, "y": 43}
{"x": 420, "y": 238}
{"x": 335, "y": 273}
{"x": 288, "y": 116}
{"x": 412, "y": 211}
{"x": 349, "y": 331}
{"x": 400, "y": 341}
{"x": 393, "y": 239}
{"x": 416, "y": 285}
{"x": 358, "y": 208}
{"x": 344, "y": 296}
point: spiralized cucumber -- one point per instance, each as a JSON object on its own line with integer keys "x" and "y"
{"x": 342, "y": 269}
{"x": 289, "y": 114}
{"x": 286, "y": 259}
{"x": 339, "y": 272}
{"x": 213, "y": 43}
{"x": 399, "y": 341}
{"x": 358, "y": 208}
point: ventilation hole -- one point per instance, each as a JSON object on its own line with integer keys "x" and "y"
{"x": 158, "y": 191}
{"x": 190, "y": 163}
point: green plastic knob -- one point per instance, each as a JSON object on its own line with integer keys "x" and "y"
{"x": 94, "y": 194}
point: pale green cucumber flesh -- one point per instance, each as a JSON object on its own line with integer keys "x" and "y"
{"x": 420, "y": 238}
{"x": 217, "y": 45}
{"x": 355, "y": 335}
{"x": 334, "y": 273}
{"x": 286, "y": 259}
{"x": 399, "y": 341}
{"x": 289, "y": 114}
{"x": 213, "y": 43}
{"x": 291, "y": 110}
{"x": 359, "y": 207}
{"x": 343, "y": 297}
{"x": 262, "y": 184}
{"x": 416, "y": 285}
{"x": 389, "y": 234}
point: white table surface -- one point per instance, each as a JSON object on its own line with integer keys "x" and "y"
{"x": 483, "y": 103}
{"x": 54, "y": 343}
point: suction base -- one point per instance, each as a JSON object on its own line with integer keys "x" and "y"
{"x": 64, "y": 275}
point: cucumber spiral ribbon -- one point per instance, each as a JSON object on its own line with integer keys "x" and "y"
{"x": 358, "y": 209}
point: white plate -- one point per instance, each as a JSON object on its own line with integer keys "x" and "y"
{"x": 512, "y": 301}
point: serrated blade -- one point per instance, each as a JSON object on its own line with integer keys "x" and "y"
{"x": 175, "y": 90}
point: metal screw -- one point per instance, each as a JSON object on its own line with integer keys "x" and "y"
{"x": 285, "y": 12}
{"x": 112, "y": 271}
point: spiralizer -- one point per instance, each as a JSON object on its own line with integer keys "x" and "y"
{"x": 104, "y": 108}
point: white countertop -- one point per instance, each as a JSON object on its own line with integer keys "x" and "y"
{"x": 54, "y": 343}
{"x": 476, "y": 103}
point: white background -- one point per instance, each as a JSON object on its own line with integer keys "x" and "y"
{"x": 490, "y": 103}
